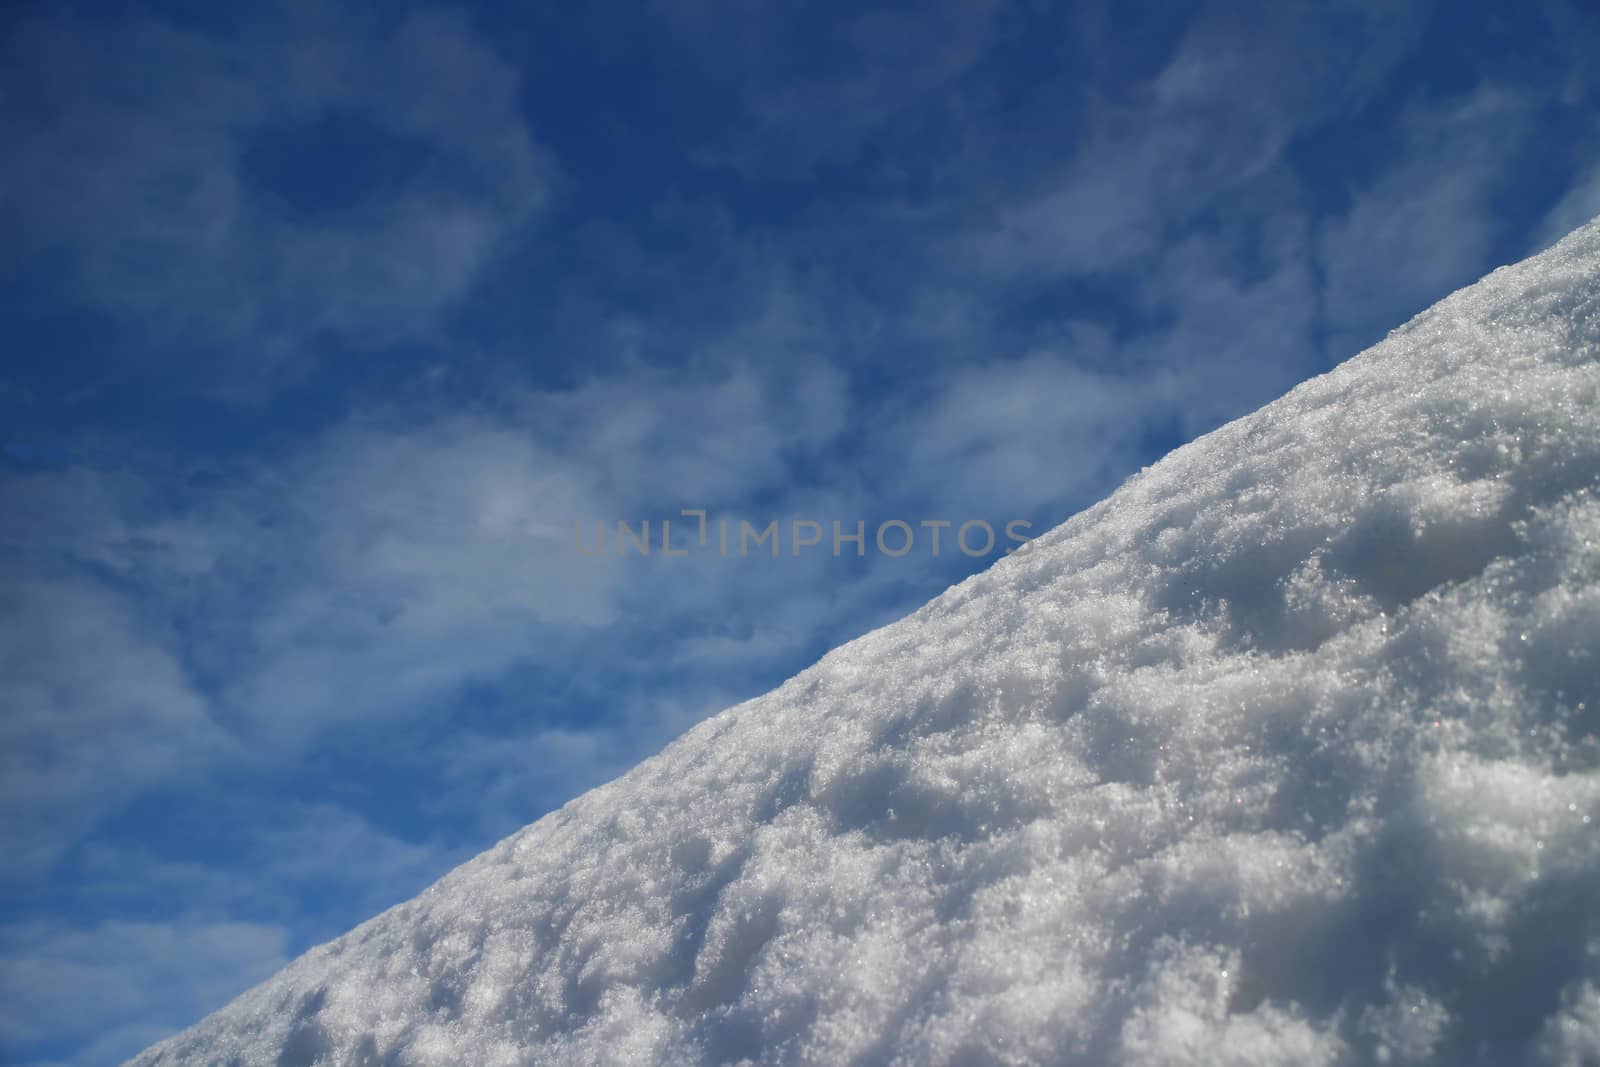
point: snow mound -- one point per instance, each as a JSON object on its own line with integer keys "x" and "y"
{"x": 1285, "y": 753}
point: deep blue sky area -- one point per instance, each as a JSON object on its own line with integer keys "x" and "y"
{"x": 323, "y": 324}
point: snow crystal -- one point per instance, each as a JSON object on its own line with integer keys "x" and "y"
{"x": 1285, "y": 753}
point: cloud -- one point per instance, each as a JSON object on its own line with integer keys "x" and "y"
{"x": 1427, "y": 224}
{"x": 370, "y": 571}
{"x": 139, "y": 981}
{"x": 288, "y": 845}
{"x": 97, "y": 707}
{"x": 139, "y": 944}
{"x": 318, "y": 849}
{"x": 818, "y": 87}
{"x": 146, "y": 151}
{"x": 664, "y": 438}
{"x": 1238, "y": 326}
{"x": 500, "y": 777}
{"x": 405, "y": 562}
{"x": 1156, "y": 155}
{"x": 425, "y": 555}
{"x": 1013, "y": 437}
{"x": 1578, "y": 205}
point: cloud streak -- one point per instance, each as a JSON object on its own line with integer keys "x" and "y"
{"x": 136, "y": 143}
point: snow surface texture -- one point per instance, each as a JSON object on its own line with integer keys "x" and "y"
{"x": 1285, "y": 753}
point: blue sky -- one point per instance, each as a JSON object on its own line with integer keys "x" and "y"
{"x": 322, "y": 324}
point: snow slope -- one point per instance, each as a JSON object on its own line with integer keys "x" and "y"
{"x": 1285, "y": 753}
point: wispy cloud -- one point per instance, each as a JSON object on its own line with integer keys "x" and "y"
{"x": 813, "y": 93}
{"x": 1578, "y": 205}
{"x": 1428, "y": 221}
{"x": 137, "y": 148}
{"x": 1012, "y": 438}
{"x": 1155, "y": 156}
{"x": 143, "y": 979}
{"x": 97, "y": 707}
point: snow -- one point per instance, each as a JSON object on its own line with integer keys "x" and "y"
{"x": 1285, "y": 753}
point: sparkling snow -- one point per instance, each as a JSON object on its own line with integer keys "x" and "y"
{"x": 1285, "y": 753}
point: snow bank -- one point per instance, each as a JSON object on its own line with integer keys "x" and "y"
{"x": 1285, "y": 753}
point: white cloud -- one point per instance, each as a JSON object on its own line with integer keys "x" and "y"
{"x": 281, "y": 851}
{"x": 654, "y": 438}
{"x": 370, "y": 571}
{"x": 1427, "y": 224}
{"x": 1578, "y": 205}
{"x": 883, "y": 65}
{"x": 1236, "y": 338}
{"x": 97, "y": 707}
{"x": 1212, "y": 123}
{"x": 406, "y": 563}
{"x": 132, "y": 148}
{"x": 140, "y": 980}
{"x": 1013, "y": 437}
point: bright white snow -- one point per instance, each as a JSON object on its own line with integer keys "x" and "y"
{"x": 1285, "y": 753}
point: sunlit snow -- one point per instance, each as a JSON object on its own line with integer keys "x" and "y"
{"x": 1285, "y": 753}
